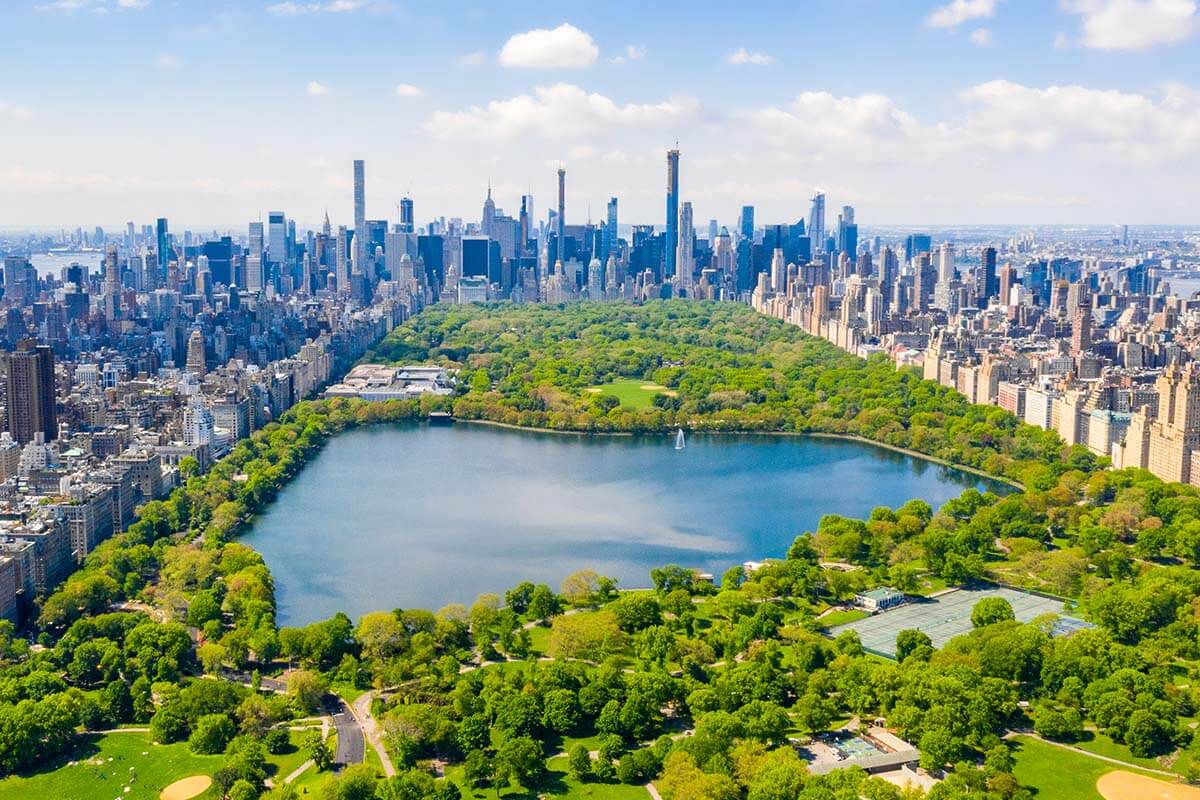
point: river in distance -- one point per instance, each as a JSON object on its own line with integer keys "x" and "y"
{"x": 418, "y": 516}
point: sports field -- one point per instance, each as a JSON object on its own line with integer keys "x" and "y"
{"x": 632, "y": 392}
{"x": 941, "y": 618}
{"x": 112, "y": 765}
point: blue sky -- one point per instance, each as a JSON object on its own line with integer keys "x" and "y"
{"x": 967, "y": 111}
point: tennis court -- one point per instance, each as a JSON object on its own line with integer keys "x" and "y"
{"x": 941, "y": 618}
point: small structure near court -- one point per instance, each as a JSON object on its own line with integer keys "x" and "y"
{"x": 880, "y": 599}
{"x": 877, "y": 751}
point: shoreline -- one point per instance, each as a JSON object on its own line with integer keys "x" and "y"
{"x": 846, "y": 437}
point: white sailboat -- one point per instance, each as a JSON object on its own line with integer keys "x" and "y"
{"x": 679, "y": 442}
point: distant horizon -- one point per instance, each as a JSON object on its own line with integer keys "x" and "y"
{"x": 117, "y": 229}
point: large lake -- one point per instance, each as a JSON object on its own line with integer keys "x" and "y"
{"x": 417, "y": 516}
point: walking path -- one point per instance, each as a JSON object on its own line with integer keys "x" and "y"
{"x": 298, "y": 771}
{"x": 361, "y": 708}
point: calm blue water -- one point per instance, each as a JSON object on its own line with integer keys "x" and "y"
{"x": 416, "y": 516}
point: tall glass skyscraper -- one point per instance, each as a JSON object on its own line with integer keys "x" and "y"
{"x": 610, "y": 231}
{"x": 163, "y": 245}
{"x": 746, "y": 222}
{"x": 672, "y": 242}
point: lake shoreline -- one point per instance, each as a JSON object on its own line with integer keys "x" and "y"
{"x": 846, "y": 437}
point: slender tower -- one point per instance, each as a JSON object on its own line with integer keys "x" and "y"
{"x": 672, "y": 242}
{"x": 360, "y": 216}
{"x": 560, "y": 222}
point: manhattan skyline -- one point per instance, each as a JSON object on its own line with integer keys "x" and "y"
{"x": 967, "y": 112}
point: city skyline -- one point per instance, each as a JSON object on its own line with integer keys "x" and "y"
{"x": 1076, "y": 113}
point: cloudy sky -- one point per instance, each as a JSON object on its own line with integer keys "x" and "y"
{"x": 211, "y": 112}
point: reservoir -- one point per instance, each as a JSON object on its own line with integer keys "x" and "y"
{"x": 418, "y": 516}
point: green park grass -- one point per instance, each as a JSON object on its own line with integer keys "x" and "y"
{"x": 835, "y": 618}
{"x": 632, "y": 392}
{"x": 283, "y": 764}
{"x": 86, "y": 780}
{"x": 1056, "y": 773}
{"x": 539, "y": 639}
{"x": 1100, "y": 744}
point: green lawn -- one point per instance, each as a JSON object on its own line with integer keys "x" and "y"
{"x": 1101, "y": 744}
{"x": 286, "y": 762}
{"x": 632, "y": 392}
{"x": 1055, "y": 773}
{"x": 153, "y": 767}
{"x": 835, "y": 618}
{"x": 539, "y": 639}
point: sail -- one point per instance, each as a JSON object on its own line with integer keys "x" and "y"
{"x": 679, "y": 442}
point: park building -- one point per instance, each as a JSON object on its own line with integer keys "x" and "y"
{"x": 879, "y": 599}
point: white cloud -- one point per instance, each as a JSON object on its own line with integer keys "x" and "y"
{"x": 957, "y": 12}
{"x": 471, "y": 59}
{"x": 1134, "y": 24}
{"x": 408, "y": 90}
{"x": 981, "y": 37}
{"x": 1107, "y": 124}
{"x": 316, "y": 89}
{"x": 9, "y": 111}
{"x": 136, "y": 4}
{"x": 1061, "y": 41}
{"x": 561, "y": 111}
{"x": 630, "y": 53}
{"x": 995, "y": 119}
{"x": 564, "y": 47}
{"x": 168, "y": 62}
{"x": 70, "y": 5}
{"x": 744, "y": 56}
{"x": 330, "y": 7}
{"x": 868, "y": 127}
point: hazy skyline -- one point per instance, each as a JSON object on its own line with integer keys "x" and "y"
{"x": 971, "y": 111}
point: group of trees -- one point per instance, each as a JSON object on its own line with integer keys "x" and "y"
{"x": 728, "y": 369}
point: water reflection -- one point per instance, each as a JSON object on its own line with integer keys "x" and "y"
{"x": 419, "y": 516}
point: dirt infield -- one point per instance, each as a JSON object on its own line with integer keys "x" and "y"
{"x": 186, "y": 788}
{"x": 1122, "y": 785}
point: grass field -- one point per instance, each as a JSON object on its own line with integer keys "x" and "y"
{"x": 1055, "y": 773}
{"x": 842, "y": 617}
{"x": 632, "y": 392}
{"x": 117, "y": 753}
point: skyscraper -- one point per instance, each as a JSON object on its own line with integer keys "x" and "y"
{"x": 255, "y": 236}
{"x": 816, "y": 221}
{"x": 31, "y": 393}
{"x": 672, "y": 243}
{"x": 847, "y": 235}
{"x": 611, "y": 231}
{"x": 360, "y": 215}
{"x": 487, "y": 223}
{"x": 276, "y": 237}
{"x": 112, "y": 271}
{"x": 991, "y": 283}
{"x": 746, "y": 223}
{"x": 685, "y": 261}
{"x": 163, "y": 247}
{"x": 196, "y": 362}
{"x": 561, "y": 219}
{"x": 406, "y": 215}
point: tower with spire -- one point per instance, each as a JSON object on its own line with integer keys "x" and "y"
{"x": 489, "y": 213}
